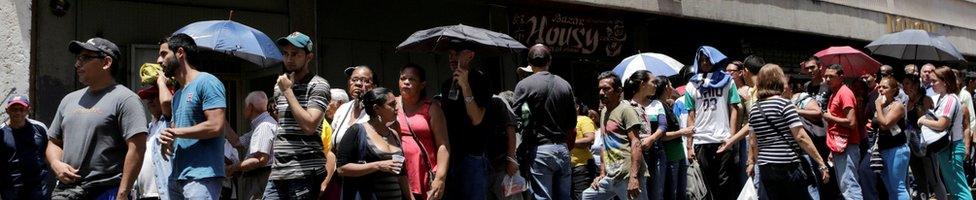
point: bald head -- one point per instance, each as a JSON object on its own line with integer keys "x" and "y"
{"x": 539, "y": 56}
{"x": 258, "y": 100}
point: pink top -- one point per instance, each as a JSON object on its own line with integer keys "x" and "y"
{"x": 419, "y": 122}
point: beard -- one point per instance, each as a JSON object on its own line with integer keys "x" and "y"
{"x": 170, "y": 66}
{"x": 286, "y": 69}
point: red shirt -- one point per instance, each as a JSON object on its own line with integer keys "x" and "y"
{"x": 839, "y": 136}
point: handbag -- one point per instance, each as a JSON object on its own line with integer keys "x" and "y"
{"x": 423, "y": 151}
{"x": 928, "y": 140}
{"x": 808, "y": 175}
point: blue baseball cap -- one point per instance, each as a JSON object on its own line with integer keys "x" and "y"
{"x": 18, "y": 99}
{"x": 296, "y": 39}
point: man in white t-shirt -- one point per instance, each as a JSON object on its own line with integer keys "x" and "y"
{"x": 711, "y": 97}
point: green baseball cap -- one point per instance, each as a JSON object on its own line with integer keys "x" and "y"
{"x": 296, "y": 39}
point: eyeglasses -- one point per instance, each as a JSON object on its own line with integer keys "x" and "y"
{"x": 86, "y": 58}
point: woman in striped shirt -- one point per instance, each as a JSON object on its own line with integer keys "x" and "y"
{"x": 777, "y": 133}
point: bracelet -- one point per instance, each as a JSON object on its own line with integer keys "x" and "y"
{"x": 823, "y": 167}
{"x": 468, "y": 99}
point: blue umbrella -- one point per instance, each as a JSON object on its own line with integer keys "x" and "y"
{"x": 234, "y": 39}
{"x": 657, "y": 64}
{"x": 914, "y": 44}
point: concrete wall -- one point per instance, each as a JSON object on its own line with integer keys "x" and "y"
{"x": 958, "y": 13}
{"x": 840, "y": 18}
{"x": 15, "y": 37}
{"x": 133, "y": 23}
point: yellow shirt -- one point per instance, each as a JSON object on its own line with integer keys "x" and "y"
{"x": 580, "y": 154}
{"x": 326, "y": 136}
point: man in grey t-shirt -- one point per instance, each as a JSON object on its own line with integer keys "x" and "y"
{"x": 98, "y": 135}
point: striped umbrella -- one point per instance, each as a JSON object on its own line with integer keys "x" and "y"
{"x": 658, "y": 64}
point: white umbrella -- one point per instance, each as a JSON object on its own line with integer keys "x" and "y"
{"x": 657, "y": 64}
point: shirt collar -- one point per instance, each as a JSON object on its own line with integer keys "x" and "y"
{"x": 263, "y": 117}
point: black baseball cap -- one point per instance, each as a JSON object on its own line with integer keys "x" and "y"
{"x": 97, "y": 45}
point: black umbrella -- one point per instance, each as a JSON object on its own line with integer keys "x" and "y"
{"x": 914, "y": 44}
{"x": 443, "y": 38}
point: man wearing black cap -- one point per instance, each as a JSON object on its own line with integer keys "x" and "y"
{"x": 301, "y": 97}
{"x": 23, "y": 171}
{"x": 98, "y": 136}
{"x": 552, "y": 122}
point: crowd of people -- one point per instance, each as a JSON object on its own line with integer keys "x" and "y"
{"x": 729, "y": 128}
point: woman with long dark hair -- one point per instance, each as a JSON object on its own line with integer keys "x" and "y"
{"x": 669, "y": 148}
{"x": 369, "y": 156}
{"x": 638, "y": 88}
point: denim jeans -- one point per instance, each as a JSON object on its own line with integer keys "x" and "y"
{"x": 676, "y": 183}
{"x": 895, "y": 171}
{"x": 549, "y": 171}
{"x": 846, "y": 165}
{"x": 814, "y": 188}
{"x": 208, "y": 188}
{"x": 656, "y": 161}
{"x": 950, "y": 163}
{"x": 866, "y": 177}
{"x": 757, "y": 182}
{"x": 468, "y": 178}
{"x": 306, "y": 188}
{"x": 609, "y": 188}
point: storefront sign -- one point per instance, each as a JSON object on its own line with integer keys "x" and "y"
{"x": 895, "y": 23}
{"x": 570, "y": 33}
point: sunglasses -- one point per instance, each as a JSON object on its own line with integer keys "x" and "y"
{"x": 86, "y": 58}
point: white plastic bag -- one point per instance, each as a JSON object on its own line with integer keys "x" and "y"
{"x": 748, "y": 191}
{"x": 514, "y": 184}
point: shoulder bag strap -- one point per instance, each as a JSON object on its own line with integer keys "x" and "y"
{"x": 345, "y": 117}
{"x": 423, "y": 151}
{"x": 794, "y": 146}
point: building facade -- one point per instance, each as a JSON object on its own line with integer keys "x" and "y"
{"x": 588, "y": 36}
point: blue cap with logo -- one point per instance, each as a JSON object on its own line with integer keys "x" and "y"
{"x": 298, "y": 40}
